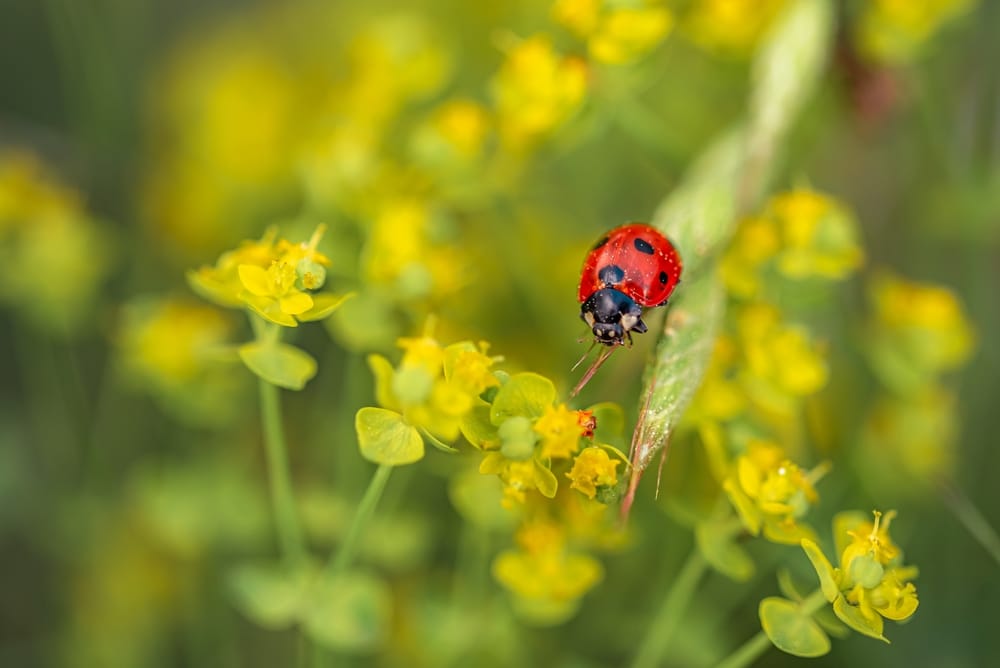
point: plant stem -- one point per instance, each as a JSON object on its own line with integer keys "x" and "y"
{"x": 971, "y": 518}
{"x": 658, "y": 637}
{"x": 759, "y": 643}
{"x": 343, "y": 556}
{"x": 285, "y": 517}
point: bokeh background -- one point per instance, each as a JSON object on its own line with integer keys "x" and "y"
{"x": 464, "y": 157}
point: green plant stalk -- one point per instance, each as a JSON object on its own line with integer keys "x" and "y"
{"x": 729, "y": 178}
{"x": 285, "y": 517}
{"x": 971, "y": 518}
{"x": 754, "y": 648}
{"x": 345, "y": 554}
{"x": 658, "y": 636}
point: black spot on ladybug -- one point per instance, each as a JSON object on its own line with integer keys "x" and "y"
{"x": 663, "y": 277}
{"x": 643, "y": 246}
{"x": 600, "y": 243}
{"x": 611, "y": 274}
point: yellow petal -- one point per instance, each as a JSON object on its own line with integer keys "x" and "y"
{"x": 295, "y": 302}
{"x": 254, "y": 279}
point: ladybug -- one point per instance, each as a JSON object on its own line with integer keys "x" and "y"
{"x": 632, "y": 267}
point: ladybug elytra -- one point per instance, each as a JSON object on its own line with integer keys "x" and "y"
{"x": 632, "y": 267}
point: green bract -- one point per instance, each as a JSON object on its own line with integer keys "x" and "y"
{"x": 385, "y": 437}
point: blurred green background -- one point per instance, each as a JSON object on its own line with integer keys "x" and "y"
{"x": 160, "y": 134}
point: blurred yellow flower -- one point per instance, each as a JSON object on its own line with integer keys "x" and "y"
{"x": 546, "y": 577}
{"x": 519, "y": 478}
{"x": 818, "y": 236}
{"x": 272, "y": 293}
{"x": 780, "y": 361}
{"x": 456, "y": 132}
{"x": 732, "y": 27}
{"x": 579, "y": 16}
{"x": 895, "y": 31}
{"x": 755, "y": 243}
{"x": 55, "y": 254}
{"x": 536, "y": 90}
{"x": 593, "y": 468}
{"x": 625, "y": 34}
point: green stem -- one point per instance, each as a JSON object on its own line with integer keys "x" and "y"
{"x": 343, "y": 556}
{"x": 759, "y": 643}
{"x": 972, "y": 519}
{"x": 285, "y": 517}
{"x": 654, "y": 645}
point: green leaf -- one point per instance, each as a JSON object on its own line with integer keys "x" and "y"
{"x": 525, "y": 394}
{"x": 324, "y": 304}
{"x": 852, "y": 616}
{"x": 384, "y": 437}
{"x": 717, "y": 543}
{"x": 350, "y": 612}
{"x": 477, "y": 428}
{"x": 823, "y": 569}
{"x": 280, "y": 364}
{"x": 268, "y": 594}
{"x": 790, "y": 630}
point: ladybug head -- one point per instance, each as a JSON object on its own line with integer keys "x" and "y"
{"x": 612, "y": 316}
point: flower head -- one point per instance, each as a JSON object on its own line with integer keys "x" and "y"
{"x": 560, "y": 431}
{"x": 593, "y": 468}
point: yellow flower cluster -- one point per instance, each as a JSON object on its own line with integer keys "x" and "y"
{"x": 274, "y": 278}
{"x": 895, "y": 31}
{"x": 870, "y": 584}
{"x": 546, "y": 576}
{"x": 771, "y": 493}
{"x": 536, "y": 90}
{"x": 800, "y": 234}
{"x": 55, "y": 254}
{"x": 616, "y": 34}
{"x": 917, "y": 333}
{"x": 729, "y": 27}
{"x": 172, "y": 349}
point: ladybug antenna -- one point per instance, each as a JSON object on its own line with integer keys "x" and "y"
{"x": 585, "y": 355}
{"x": 592, "y": 369}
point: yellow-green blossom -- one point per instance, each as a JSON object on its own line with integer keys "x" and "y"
{"x": 780, "y": 360}
{"x": 560, "y": 432}
{"x": 732, "y": 27}
{"x": 593, "y": 468}
{"x": 55, "y": 254}
{"x": 870, "y": 582}
{"x": 895, "y": 31}
{"x": 536, "y": 90}
{"x": 818, "y": 236}
{"x": 578, "y": 16}
{"x": 546, "y": 577}
{"x": 919, "y": 330}
{"x": 625, "y": 34}
{"x": 519, "y": 478}
{"x": 771, "y": 493}
{"x": 755, "y": 243}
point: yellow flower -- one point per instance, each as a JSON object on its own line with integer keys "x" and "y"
{"x": 560, "y": 432}
{"x": 731, "y": 27}
{"x": 221, "y": 283}
{"x": 894, "y": 31}
{"x": 579, "y": 16}
{"x": 870, "y": 584}
{"x": 772, "y": 493}
{"x": 920, "y": 330}
{"x": 544, "y": 575}
{"x": 455, "y": 133}
{"x": 470, "y": 368}
{"x": 819, "y": 238}
{"x": 626, "y": 33}
{"x": 272, "y": 293}
{"x": 519, "y": 478}
{"x": 536, "y": 90}
{"x": 755, "y": 243}
{"x": 55, "y": 254}
{"x": 781, "y": 362}
{"x": 593, "y": 468}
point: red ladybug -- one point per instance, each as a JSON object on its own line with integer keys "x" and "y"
{"x": 631, "y": 267}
